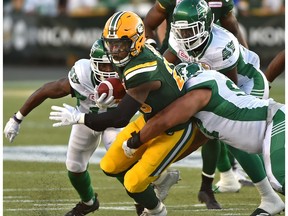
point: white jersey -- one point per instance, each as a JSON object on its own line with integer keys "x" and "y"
{"x": 222, "y": 53}
{"x": 82, "y": 81}
{"x": 84, "y": 141}
{"x": 231, "y": 116}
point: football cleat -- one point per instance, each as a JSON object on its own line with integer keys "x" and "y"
{"x": 260, "y": 212}
{"x": 166, "y": 180}
{"x": 82, "y": 209}
{"x": 160, "y": 210}
{"x": 208, "y": 198}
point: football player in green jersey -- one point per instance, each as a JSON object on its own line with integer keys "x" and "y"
{"x": 256, "y": 126}
{"x": 151, "y": 84}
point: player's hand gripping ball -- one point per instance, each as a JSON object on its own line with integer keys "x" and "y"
{"x": 112, "y": 87}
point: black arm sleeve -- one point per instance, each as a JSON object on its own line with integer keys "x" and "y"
{"x": 118, "y": 117}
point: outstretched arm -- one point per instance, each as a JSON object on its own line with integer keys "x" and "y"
{"x": 56, "y": 89}
{"x": 53, "y": 90}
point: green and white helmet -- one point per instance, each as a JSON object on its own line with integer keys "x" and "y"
{"x": 187, "y": 70}
{"x": 100, "y": 64}
{"x": 191, "y": 23}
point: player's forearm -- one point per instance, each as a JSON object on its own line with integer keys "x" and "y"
{"x": 53, "y": 90}
{"x": 118, "y": 117}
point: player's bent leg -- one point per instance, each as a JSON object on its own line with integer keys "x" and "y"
{"x": 274, "y": 151}
{"x": 210, "y": 153}
{"x": 82, "y": 144}
{"x": 159, "y": 154}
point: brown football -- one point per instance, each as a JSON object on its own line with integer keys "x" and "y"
{"x": 112, "y": 86}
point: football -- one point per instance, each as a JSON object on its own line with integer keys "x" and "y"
{"x": 112, "y": 86}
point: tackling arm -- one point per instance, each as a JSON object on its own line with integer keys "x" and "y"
{"x": 178, "y": 112}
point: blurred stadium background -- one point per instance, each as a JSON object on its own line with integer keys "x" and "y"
{"x": 40, "y": 44}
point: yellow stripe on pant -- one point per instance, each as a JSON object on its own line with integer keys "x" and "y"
{"x": 150, "y": 160}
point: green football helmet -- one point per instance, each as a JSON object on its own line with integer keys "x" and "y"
{"x": 100, "y": 64}
{"x": 191, "y": 23}
{"x": 187, "y": 70}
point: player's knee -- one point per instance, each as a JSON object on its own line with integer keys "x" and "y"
{"x": 75, "y": 167}
{"x": 136, "y": 182}
{"x": 108, "y": 165}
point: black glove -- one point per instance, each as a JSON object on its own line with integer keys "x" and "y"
{"x": 134, "y": 141}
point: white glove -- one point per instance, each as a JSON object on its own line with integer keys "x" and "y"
{"x": 11, "y": 129}
{"x": 66, "y": 115}
{"x": 103, "y": 102}
{"x": 129, "y": 152}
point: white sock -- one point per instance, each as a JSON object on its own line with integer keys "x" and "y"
{"x": 270, "y": 201}
{"x": 90, "y": 202}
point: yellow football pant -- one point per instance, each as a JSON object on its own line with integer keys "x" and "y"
{"x": 150, "y": 160}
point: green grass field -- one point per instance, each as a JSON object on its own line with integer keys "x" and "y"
{"x": 43, "y": 189}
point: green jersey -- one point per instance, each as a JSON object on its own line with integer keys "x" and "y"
{"x": 219, "y": 8}
{"x": 149, "y": 66}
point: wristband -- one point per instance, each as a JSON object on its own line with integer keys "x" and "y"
{"x": 134, "y": 141}
{"x": 16, "y": 119}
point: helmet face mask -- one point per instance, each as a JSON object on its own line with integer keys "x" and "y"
{"x": 118, "y": 49}
{"x": 99, "y": 62}
{"x": 191, "y": 25}
{"x": 124, "y": 37}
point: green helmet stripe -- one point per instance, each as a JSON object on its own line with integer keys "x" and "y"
{"x": 113, "y": 24}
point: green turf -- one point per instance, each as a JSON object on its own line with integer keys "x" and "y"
{"x": 34, "y": 189}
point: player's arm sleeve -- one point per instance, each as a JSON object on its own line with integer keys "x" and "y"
{"x": 118, "y": 117}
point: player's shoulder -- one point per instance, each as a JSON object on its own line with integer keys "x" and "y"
{"x": 80, "y": 71}
{"x": 203, "y": 79}
{"x": 142, "y": 67}
{"x": 144, "y": 62}
{"x": 221, "y": 34}
{"x": 223, "y": 45}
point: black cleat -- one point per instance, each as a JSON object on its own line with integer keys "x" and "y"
{"x": 139, "y": 208}
{"x": 260, "y": 212}
{"x": 208, "y": 198}
{"x": 82, "y": 209}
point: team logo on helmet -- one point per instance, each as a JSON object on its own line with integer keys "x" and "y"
{"x": 140, "y": 29}
{"x": 202, "y": 9}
